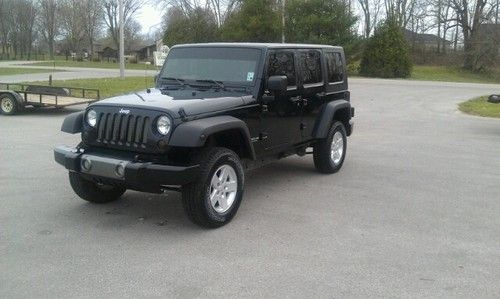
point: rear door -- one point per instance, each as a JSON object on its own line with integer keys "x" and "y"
{"x": 312, "y": 88}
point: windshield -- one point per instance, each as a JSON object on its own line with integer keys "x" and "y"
{"x": 226, "y": 65}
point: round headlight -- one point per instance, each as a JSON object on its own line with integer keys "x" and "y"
{"x": 163, "y": 125}
{"x": 92, "y": 118}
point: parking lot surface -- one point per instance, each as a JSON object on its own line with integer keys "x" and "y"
{"x": 415, "y": 212}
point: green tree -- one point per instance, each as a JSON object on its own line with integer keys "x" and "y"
{"x": 196, "y": 26}
{"x": 386, "y": 53}
{"x": 320, "y": 22}
{"x": 254, "y": 21}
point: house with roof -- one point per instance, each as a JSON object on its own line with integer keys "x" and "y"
{"x": 426, "y": 40}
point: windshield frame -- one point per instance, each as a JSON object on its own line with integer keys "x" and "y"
{"x": 193, "y": 82}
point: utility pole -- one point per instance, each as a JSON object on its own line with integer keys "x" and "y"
{"x": 496, "y": 16}
{"x": 122, "y": 44}
{"x": 283, "y": 21}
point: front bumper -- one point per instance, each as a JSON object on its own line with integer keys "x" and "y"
{"x": 133, "y": 174}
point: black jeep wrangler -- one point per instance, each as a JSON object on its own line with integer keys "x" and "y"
{"x": 217, "y": 110}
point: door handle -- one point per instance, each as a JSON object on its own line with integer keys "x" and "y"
{"x": 295, "y": 100}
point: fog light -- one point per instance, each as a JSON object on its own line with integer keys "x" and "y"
{"x": 120, "y": 170}
{"x": 86, "y": 164}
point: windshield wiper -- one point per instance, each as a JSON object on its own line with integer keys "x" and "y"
{"x": 178, "y": 80}
{"x": 214, "y": 82}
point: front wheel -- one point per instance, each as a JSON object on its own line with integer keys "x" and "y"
{"x": 8, "y": 104}
{"x": 329, "y": 153}
{"x": 94, "y": 192}
{"x": 214, "y": 198}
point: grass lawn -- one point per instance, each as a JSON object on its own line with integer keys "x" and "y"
{"x": 446, "y": 74}
{"x": 91, "y": 64}
{"x": 480, "y": 106}
{"x": 452, "y": 74}
{"x": 107, "y": 86}
{"x": 16, "y": 71}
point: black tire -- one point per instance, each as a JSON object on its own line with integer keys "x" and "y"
{"x": 8, "y": 104}
{"x": 196, "y": 196}
{"x": 323, "y": 160}
{"x": 93, "y": 192}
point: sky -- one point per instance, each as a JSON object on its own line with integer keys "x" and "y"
{"x": 148, "y": 17}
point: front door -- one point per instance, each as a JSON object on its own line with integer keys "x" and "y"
{"x": 281, "y": 117}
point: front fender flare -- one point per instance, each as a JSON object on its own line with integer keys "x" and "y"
{"x": 195, "y": 133}
{"x": 73, "y": 123}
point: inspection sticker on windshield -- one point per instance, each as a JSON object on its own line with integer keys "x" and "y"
{"x": 250, "y": 76}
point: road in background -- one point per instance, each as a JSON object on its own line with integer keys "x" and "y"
{"x": 413, "y": 213}
{"x": 68, "y": 74}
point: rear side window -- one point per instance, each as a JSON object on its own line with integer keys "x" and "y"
{"x": 281, "y": 63}
{"x": 334, "y": 67}
{"x": 310, "y": 66}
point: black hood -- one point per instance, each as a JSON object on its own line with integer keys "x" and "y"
{"x": 192, "y": 102}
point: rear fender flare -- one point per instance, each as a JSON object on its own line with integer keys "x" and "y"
{"x": 325, "y": 118}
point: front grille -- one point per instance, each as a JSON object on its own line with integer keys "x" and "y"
{"x": 123, "y": 130}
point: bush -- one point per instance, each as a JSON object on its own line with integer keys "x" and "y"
{"x": 386, "y": 54}
{"x": 96, "y": 59}
{"x": 132, "y": 60}
{"x": 353, "y": 68}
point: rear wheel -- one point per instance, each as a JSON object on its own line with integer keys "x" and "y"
{"x": 8, "y": 104}
{"x": 214, "y": 198}
{"x": 329, "y": 153}
{"x": 94, "y": 192}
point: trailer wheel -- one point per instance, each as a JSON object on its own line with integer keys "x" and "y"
{"x": 8, "y": 104}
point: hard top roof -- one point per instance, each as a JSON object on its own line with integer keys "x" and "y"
{"x": 260, "y": 46}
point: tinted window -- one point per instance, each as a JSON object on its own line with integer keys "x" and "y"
{"x": 281, "y": 63}
{"x": 310, "y": 67}
{"x": 335, "y": 67}
{"x": 209, "y": 63}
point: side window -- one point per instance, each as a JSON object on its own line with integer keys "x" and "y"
{"x": 310, "y": 66}
{"x": 281, "y": 63}
{"x": 334, "y": 67}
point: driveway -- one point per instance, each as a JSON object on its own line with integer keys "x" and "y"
{"x": 67, "y": 74}
{"x": 415, "y": 212}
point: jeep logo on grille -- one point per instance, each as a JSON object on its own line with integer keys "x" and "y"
{"x": 124, "y": 111}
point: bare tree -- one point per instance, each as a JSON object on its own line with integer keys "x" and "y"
{"x": 219, "y": 9}
{"x": 93, "y": 14}
{"x": 73, "y": 23}
{"x": 24, "y": 14}
{"x": 470, "y": 14}
{"x": 400, "y": 10}
{"x": 48, "y": 22}
{"x": 111, "y": 15}
{"x": 371, "y": 10}
{"x": 6, "y": 25}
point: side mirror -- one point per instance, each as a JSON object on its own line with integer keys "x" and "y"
{"x": 494, "y": 98}
{"x": 277, "y": 84}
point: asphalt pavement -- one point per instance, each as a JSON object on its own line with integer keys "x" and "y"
{"x": 415, "y": 212}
